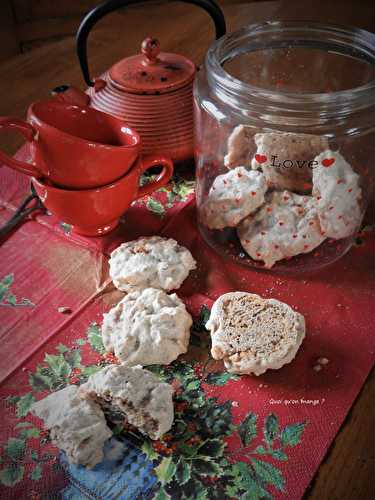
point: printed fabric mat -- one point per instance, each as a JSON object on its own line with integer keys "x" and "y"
{"x": 233, "y": 437}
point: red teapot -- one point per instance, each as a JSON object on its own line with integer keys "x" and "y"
{"x": 151, "y": 91}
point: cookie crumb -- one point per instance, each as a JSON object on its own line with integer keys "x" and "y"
{"x": 323, "y": 361}
{"x": 64, "y": 310}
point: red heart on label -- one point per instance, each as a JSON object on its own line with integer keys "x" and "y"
{"x": 260, "y": 158}
{"x": 327, "y": 162}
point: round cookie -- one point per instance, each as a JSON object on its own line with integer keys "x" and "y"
{"x": 287, "y": 225}
{"x": 147, "y": 327}
{"x": 232, "y": 197}
{"x": 77, "y": 427}
{"x": 133, "y": 396}
{"x": 252, "y": 335}
{"x": 150, "y": 262}
{"x": 338, "y": 194}
{"x": 240, "y": 147}
{"x": 286, "y": 158}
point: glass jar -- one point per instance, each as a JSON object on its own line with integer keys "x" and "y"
{"x": 285, "y": 143}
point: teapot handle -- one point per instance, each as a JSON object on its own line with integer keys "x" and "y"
{"x": 97, "y": 13}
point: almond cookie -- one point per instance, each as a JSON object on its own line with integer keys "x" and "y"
{"x": 252, "y": 335}
{"x": 287, "y": 159}
{"x": 150, "y": 262}
{"x": 132, "y": 396}
{"x": 147, "y": 327}
{"x": 232, "y": 197}
{"x": 287, "y": 225}
{"x": 240, "y": 147}
{"x": 77, "y": 427}
{"x": 338, "y": 195}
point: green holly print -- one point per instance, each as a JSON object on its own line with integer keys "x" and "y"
{"x": 178, "y": 190}
{"x": 7, "y": 298}
{"x": 192, "y": 459}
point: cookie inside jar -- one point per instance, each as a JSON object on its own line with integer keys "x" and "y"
{"x": 271, "y": 103}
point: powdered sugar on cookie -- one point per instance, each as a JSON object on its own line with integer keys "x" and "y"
{"x": 338, "y": 195}
{"x": 147, "y": 327}
{"x": 132, "y": 396}
{"x": 232, "y": 197}
{"x": 150, "y": 262}
{"x": 287, "y": 225}
{"x": 77, "y": 427}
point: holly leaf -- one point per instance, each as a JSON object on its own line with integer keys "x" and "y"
{"x": 211, "y": 448}
{"x": 231, "y": 490}
{"x": 162, "y": 495}
{"x": 36, "y": 473}
{"x": 206, "y": 467}
{"x": 66, "y": 227}
{"x": 15, "y": 448}
{"x": 61, "y": 348}
{"x": 12, "y": 474}
{"x": 149, "y": 450}
{"x": 87, "y": 371}
{"x": 165, "y": 470}
{"x": 279, "y": 455}
{"x": 12, "y": 399}
{"x": 40, "y": 381}
{"x": 22, "y": 425}
{"x": 155, "y": 207}
{"x": 11, "y": 299}
{"x": 193, "y": 385}
{"x": 220, "y": 378}
{"x": 291, "y": 434}
{"x": 73, "y": 358}
{"x": 5, "y": 284}
{"x": 271, "y": 428}
{"x": 23, "y": 405}
{"x": 248, "y": 429}
{"x": 58, "y": 365}
{"x": 268, "y": 474}
{"x": 95, "y": 339}
{"x": 33, "y": 432}
{"x": 246, "y": 480}
{"x": 260, "y": 450}
{"x": 183, "y": 471}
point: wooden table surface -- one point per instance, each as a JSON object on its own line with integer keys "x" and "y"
{"x": 347, "y": 472}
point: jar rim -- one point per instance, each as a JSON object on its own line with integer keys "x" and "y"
{"x": 362, "y": 41}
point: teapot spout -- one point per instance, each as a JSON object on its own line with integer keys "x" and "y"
{"x": 71, "y": 95}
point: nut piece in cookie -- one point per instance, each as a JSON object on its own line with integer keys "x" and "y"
{"x": 150, "y": 262}
{"x": 240, "y": 147}
{"x": 338, "y": 195}
{"x": 232, "y": 197}
{"x": 252, "y": 335}
{"x": 287, "y": 225}
{"x": 77, "y": 427}
{"x": 147, "y": 327}
{"x": 132, "y": 396}
{"x": 286, "y": 159}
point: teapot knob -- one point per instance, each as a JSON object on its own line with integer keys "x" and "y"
{"x": 151, "y": 49}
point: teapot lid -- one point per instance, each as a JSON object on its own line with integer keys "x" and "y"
{"x": 152, "y": 71}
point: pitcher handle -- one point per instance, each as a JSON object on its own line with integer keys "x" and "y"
{"x": 30, "y": 134}
{"x": 162, "y": 179}
{"x": 97, "y": 13}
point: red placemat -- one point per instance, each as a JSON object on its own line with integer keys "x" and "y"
{"x": 254, "y": 436}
